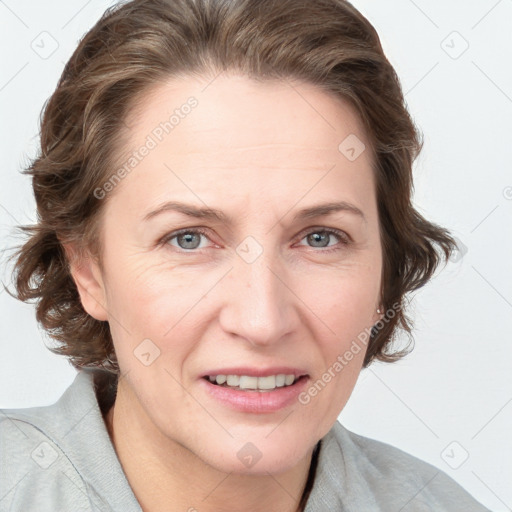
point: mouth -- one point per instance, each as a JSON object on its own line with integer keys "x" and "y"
{"x": 255, "y": 383}
{"x": 255, "y": 390}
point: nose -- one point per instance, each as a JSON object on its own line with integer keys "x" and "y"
{"x": 259, "y": 305}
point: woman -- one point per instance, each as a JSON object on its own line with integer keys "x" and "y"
{"x": 225, "y": 239}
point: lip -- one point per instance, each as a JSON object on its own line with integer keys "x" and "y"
{"x": 253, "y": 401}
{"x": 257, "y": 372}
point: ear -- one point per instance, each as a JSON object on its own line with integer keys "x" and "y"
{"x": 87, "y": 275}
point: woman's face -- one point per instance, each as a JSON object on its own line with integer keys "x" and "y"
{"x": 263, "y": 279}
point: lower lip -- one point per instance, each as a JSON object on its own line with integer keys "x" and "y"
{"x": 256, "y": 401}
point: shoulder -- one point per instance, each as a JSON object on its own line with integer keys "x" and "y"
{"x": 58, "y": 457}
{"x": 372, "y": 475}
{"x": 35, "y": 472}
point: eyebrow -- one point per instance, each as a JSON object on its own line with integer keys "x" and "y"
{"x": 213, "y": 214}
{"x": 324, "y": 209}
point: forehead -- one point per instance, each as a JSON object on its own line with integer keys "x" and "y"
{"x": 232, "y": 112}
{"x": 237, "y": 134}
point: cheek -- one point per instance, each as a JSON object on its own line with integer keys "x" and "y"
{"x": 348, "y": 314}
{"x": 150, "y": 297}
{"x": 345, "y": 309}
{"x": 345, "y": 299}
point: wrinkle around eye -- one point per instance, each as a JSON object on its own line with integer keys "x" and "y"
{"x": 343, "y": 240}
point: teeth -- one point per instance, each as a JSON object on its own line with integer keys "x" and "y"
{"x": 266, "y": 382}
{"x": 233, "y": 380}
{"x": 280, "y": 380}
{"x": 289, "y": 380}
{"x": 249, "y": 382}
{"x": 246, "y": 382}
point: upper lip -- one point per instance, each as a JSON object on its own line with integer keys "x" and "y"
{"x": 257, "y": 372}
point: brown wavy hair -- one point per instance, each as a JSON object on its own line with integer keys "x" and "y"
{"x": 138, "y": 44}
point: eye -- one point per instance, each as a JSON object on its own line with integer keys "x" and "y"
{"x": 320, "y": 238}
{"x": 189, "y": 239}
{"x": 186, "y": 239}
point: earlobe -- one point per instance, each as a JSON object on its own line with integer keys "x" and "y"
{"x": 87, "y": 276}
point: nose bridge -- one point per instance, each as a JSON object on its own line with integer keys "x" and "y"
{"x": 259, "y": 305}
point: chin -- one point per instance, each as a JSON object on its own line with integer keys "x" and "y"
{"x": 256, "y": 455}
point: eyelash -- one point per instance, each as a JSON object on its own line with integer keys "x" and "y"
{"x": 342, "y": 236}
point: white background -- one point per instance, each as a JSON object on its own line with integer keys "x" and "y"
{"x": 452, "y": 397}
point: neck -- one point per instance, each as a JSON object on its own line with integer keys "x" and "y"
{"x": 163, "y": 473}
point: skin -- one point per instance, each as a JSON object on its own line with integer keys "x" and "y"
{"x": 259, "y": 152}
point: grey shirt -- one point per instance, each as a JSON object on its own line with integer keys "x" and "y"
{"x": 60, "y": 458}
